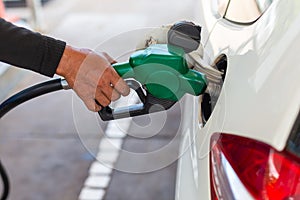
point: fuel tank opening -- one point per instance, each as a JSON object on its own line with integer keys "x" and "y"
{"x": 211, "y": 95}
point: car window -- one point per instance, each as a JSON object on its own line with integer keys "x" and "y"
{"x": 246, "y": 11}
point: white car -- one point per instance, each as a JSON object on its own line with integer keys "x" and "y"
{"x": 241, "y": 139}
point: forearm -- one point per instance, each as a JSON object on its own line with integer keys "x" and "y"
{"x": 88, "y": 73}
{"x": 29, "y": 50}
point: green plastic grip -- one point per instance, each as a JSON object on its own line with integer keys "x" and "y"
{"x": 163, "y": 70}
{"x": 124, "y": 70}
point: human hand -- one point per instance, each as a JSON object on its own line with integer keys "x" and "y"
{"x": 91, "y": 76}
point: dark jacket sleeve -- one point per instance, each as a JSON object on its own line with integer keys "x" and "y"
{"x": 26, "y": 49}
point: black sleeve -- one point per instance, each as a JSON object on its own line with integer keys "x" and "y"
{"x": 26, "y": 49}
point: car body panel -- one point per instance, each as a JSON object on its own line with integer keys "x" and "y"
{"x": 206, "y": 19}
{"x": 262, "y": 80}
{"x": 260, "y": 98}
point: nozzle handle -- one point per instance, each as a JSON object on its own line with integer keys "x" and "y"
{"x": 124, "y": 69}
{"x": 107, "y": 113}
{"x": 149, "y": 104}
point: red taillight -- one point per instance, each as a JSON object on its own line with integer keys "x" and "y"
{"x": 243, "y": 168}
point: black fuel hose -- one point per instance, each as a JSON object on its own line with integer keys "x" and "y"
{"x": 19, "y": 98}
{"x": 5, "y": 181}
{"x": 30, "y": 93}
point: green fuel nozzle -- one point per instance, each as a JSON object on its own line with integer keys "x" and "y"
{"x": 162, "y": 71}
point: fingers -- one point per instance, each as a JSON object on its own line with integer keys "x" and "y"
{"x": 106, "y": 91}
{"x": 113, "y": 85}
{"x": 110, "y": 93}
{"x": 92, "y": 105}
{"x": 115, "y": 95}
{"x": 92, "y": 78}
{"x": 102, "y": 99}
{"x": 119, "y": 84}
{"x": 95, "y": 104}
